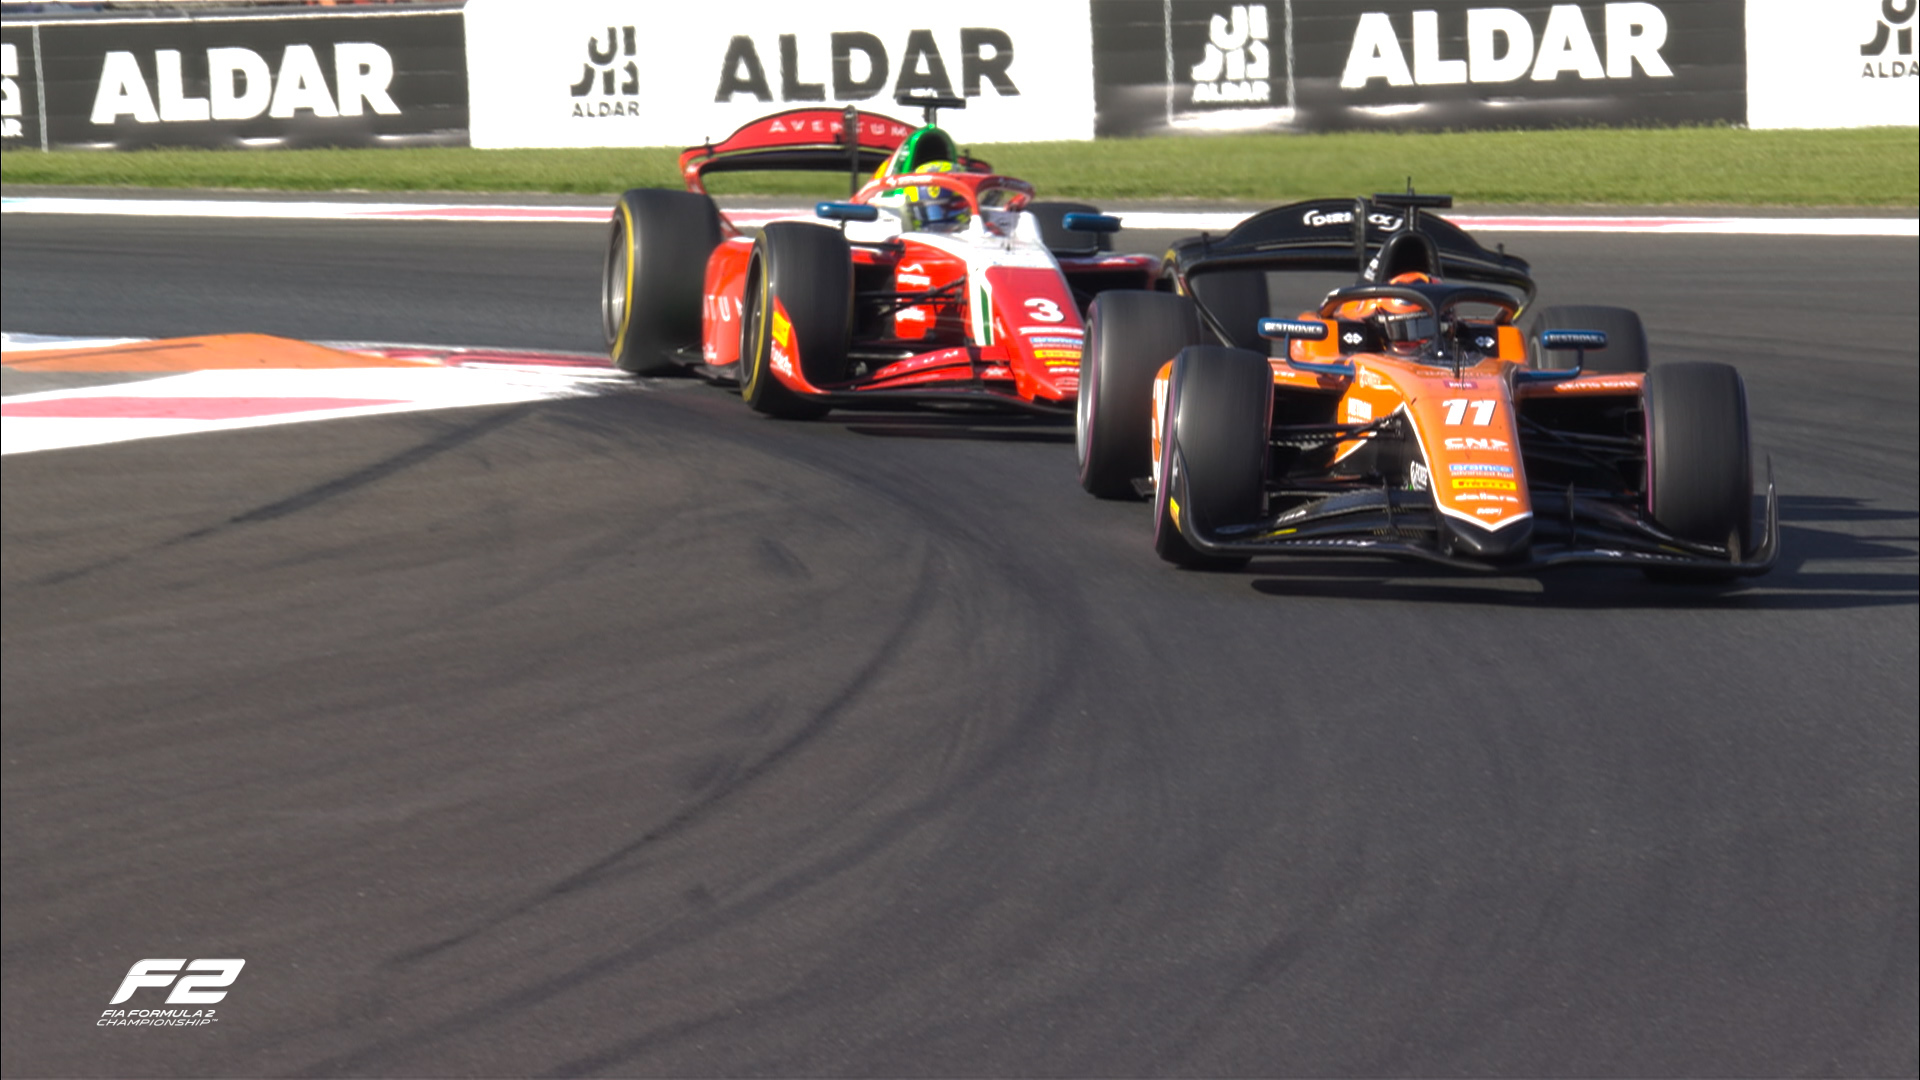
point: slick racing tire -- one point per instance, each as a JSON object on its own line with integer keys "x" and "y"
{"x": 1215, "y": 438}
{"x": 1626, "y": 351}
{"x": 808, "y": 270}
{"x": 651, "y": 283}
{"x": 1699, "y": 458}
{"x": 1064, "y": 241}
{"x": 1130, "y": 334}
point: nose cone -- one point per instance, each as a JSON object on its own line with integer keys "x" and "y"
{"x": 1468, "y": 540}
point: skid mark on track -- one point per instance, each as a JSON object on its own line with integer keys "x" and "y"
{"x": 1029, "y": 720}
{"x": 375, "y": 473}
{"x": 1016, "y": 744}
{"x": 780, "y": 560}
{"x": 610, "y": 864}
{"x": 313, "y": 496}
{"x": 715, "y": 918}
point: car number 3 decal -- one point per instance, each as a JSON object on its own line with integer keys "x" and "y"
{"x": 1041, "y": 309}
{"x": 1457, "y": 410}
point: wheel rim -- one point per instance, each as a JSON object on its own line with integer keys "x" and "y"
{"x": 613, "y": 293}
{"x": 750, "y": 333}
{"x": 1163, "y": 472}
{"x": 1083, "y": 415}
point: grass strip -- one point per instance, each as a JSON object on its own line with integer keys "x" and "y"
{"x": 1868, "y": 167}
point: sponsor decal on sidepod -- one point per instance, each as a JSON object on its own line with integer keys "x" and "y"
{"x": 782, "y": 341}
{"x": 1475, "y": 442}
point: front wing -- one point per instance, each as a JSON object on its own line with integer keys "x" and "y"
{"x": 956, "y": 393}
{"x": 1569, "y": 529}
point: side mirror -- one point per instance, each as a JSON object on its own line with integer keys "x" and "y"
{"x": 1304, "y": 329}
{"x": 1561, "y": 340}
{"x": 1573, "y": 339}
{"x": 1093, "y": 223}
{"x": 843, "y": 211}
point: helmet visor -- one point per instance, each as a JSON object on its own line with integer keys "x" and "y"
{"x": 1410, "y": 330}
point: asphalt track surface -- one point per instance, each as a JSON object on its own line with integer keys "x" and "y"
{"x": 640, "y": 735}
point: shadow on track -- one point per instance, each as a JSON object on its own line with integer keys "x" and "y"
{"x": 990, "y": 427}
{"x": 1863, "y": 579}
{"x": 955, "y": 421}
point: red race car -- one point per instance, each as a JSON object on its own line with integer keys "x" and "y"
{"x": 937, "y": 281}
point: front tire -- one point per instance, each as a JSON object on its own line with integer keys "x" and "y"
{"x": 1130, "y": 334}
{"x": 1626, "y": 352}
{"x": 808, "y": 271}
{"x": 1213, "y": 460}
{"x": 653, "y": 276}
{"x": 1699, "y": 455}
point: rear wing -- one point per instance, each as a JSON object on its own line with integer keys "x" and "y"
{"x": 813, "y": 140}
{"x": 1348, "y": 234}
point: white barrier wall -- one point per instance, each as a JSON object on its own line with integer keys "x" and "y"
{"x": 1834, "y": 64}
{"x": 620, "y": 73}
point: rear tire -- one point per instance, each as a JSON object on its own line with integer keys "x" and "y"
{"x": 1064, "y": 241}
{"x": 1626, "y": 351}
{"x": 1699, "y": 457}
{"x": 1215, "y": 440}
{"x": 1130, "y": 333}
{"x": 809, "y": 270}
{"x": 653, "y": 277}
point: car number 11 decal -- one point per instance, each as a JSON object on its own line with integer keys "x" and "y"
{"x": 1457, "y": 410}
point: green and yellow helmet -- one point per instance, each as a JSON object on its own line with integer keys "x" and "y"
{"x": 922, "y": 148}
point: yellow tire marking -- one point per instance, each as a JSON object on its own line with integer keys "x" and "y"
{"x": 626, "y": 301}
{"x": 752, "y": 364}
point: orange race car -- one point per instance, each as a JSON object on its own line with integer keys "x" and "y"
{"x": 1407, "y": 415}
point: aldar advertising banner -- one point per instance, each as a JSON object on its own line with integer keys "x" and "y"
{"x": 626, "y": 73}
{"x": 388, "y": 78}
{"x": 1180, "y": 66}
{"x": 1841, "y": 63}
{"x": 19, "y": 89}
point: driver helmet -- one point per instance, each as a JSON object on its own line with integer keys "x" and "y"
{"x": 937, "y": 207}
{"x": 925, "y": 147}
{"x": 1409, "y": 328}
